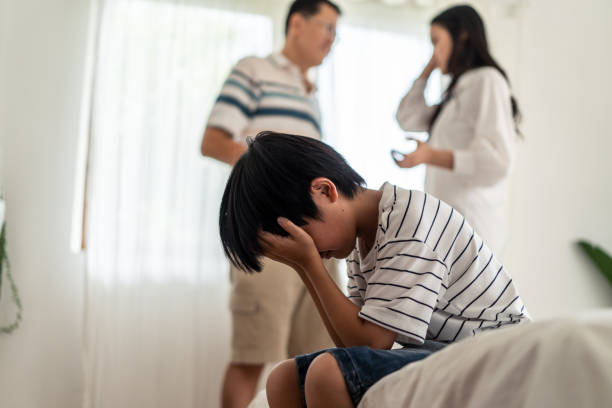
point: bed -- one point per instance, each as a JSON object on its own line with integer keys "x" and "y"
{"x": 561, "y": 362}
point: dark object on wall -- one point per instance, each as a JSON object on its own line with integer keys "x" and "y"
{"x": 5, "y": 270}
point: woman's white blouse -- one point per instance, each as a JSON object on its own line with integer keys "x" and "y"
{"x": 476, "y": 124}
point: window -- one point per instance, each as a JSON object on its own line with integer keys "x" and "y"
{"x": 361, "y": 85}
{"x": 153, "y": 204}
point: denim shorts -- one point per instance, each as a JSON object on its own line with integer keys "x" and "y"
{"x": 362, "y": 366}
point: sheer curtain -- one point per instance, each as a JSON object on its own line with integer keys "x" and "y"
{"x": 157, "y": 324}
{"x": 361, "y": 84}
{"x": 157, "y": 321}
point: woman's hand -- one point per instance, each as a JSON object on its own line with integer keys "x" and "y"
{"x": 429, "y": 68}
{"x": 421, "y": 155}
{"x": 296, "y": 250}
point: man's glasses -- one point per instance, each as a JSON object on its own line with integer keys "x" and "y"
{"x": 330, "y": 28}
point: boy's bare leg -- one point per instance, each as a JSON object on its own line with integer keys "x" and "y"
{"x": 325, "y": 386}
{"x": 240, "y": 384}
{"x": 282, "y": 387}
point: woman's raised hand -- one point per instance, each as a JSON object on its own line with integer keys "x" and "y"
{"x": 429, "y": 68}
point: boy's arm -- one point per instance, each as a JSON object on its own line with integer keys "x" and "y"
{"x": 343, "y": 314}
{"x": 340, "y": 315}
{"x": 315, "y": 297}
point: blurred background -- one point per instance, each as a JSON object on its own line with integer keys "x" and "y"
{"x": 102, "y": 108}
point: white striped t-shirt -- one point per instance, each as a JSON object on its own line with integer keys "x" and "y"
{"x": 266, "y": 94}
{"x": 429, "y": 275}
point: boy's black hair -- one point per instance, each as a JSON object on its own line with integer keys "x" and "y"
{"x": 272, "y": 179}
{"x": 307, "y": 8}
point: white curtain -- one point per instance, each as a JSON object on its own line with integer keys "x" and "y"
{"x": 361, "y": 84}
{"x": 157, "y": 322}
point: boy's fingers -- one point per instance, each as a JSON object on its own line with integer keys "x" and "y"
{"x": 271, "y": 241}
{"x": 285, "y": 223}
{"x": 268, "y": 249}
{"x": 266, "y": 240}
{"x": 289, "y": 226}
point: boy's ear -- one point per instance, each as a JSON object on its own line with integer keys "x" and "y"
{"x": 324, "y": 187}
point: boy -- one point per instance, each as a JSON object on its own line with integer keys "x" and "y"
{"x": 418, "y": 273}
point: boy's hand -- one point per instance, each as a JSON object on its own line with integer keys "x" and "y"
{"x": 297, "y": 250}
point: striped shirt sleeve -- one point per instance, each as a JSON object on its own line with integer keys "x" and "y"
{"x": 413, "y": 113}
{"x": 355, "y": 285}
{"x": 237, "y": 101}
{"x": 403, "y": 290}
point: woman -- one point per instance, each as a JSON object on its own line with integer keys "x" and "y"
{"x": 472, "y": 131}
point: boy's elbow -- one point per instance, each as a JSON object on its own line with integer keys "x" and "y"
{"x": 382, "y": 339}
{"x": 381, "y": 344}
{"x": 377, "y": 337}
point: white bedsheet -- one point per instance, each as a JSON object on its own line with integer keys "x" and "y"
{"x": 561, "y": 363}
{"x": 554, "y": 363}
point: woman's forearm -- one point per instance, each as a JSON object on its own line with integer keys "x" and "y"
{"x": 431, "y": 65}
{"x": 441, "y": 158}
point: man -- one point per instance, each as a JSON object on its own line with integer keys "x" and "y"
{"x": 273, "y": 316}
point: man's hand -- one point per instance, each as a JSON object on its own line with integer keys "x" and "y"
{"x": 296, "y": 250}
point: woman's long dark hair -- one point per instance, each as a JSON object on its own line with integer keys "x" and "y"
{"x": 470, "y": 50}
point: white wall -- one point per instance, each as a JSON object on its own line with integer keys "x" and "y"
{"x": 41, "y": 54}
{"x": 557, "y": 55}
{"x": 562, "y": 185}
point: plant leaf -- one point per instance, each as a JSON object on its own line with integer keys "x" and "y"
{"x": 600, "y": 258}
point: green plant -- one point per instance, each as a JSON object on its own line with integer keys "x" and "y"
{"x": 601, "y": 259}
{"x": 5, "y": 269}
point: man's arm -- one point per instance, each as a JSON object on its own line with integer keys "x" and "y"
{"x": 218, "y": 144}
{"x": 340, "y": 314}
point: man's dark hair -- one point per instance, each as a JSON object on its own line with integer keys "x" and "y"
{"x": 307, "y": 8}
{"x": 272, "y": 179}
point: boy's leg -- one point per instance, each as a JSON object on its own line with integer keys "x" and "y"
{"x": 360, "y": 367}
{"x": 325, "y": 386}
{"x": 282, "y": 387}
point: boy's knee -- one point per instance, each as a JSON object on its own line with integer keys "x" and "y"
{"x": 324, "y": 376}
{"x": 282, "y": 378}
